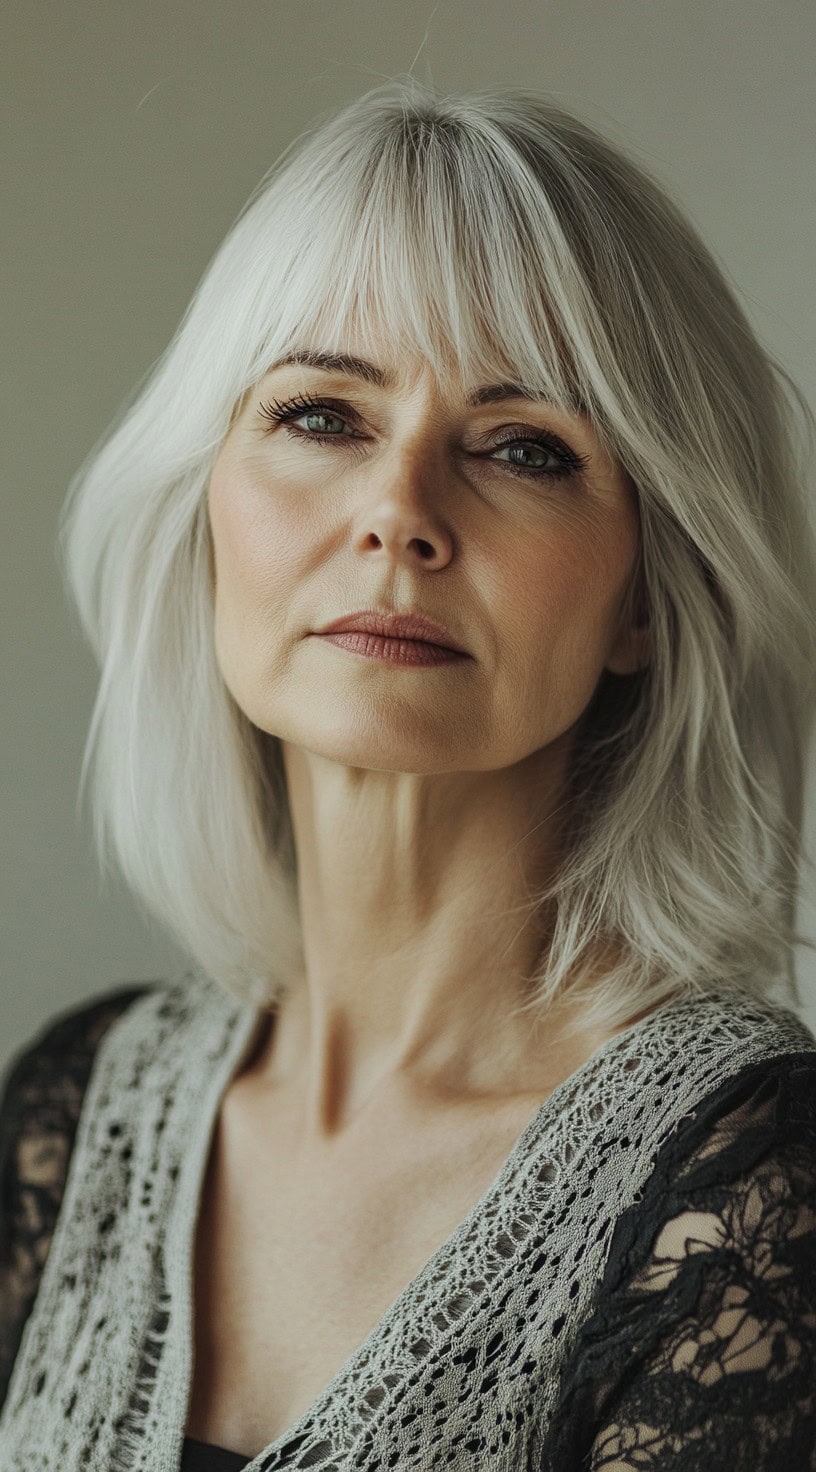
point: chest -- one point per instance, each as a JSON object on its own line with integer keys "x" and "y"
{"x": 296, "y": 1262}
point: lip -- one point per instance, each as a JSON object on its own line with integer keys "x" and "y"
{"x": 395, "y": 626}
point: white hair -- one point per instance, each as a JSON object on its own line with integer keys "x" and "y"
{"x": 480, "y": 232}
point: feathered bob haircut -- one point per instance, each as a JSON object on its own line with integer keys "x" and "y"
{"x": 492, "y": 231}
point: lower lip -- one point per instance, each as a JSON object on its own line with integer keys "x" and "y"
{"x": 394, "y": 651}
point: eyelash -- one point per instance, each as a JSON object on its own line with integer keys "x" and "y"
{"x": 570, "y": 462}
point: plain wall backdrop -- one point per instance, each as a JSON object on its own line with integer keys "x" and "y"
{"x": 133, "y": 134}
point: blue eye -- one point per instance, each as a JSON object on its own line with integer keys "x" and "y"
{"x": 568, "y": 463}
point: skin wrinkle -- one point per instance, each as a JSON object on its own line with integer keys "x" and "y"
{"x": 423, "y": 801}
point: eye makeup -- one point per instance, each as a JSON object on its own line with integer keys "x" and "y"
{"x": 542, "y": 442}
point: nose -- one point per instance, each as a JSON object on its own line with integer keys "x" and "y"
{"x": 401, "y": 520}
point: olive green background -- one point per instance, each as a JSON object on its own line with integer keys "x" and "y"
{"x": 132, "y": 135}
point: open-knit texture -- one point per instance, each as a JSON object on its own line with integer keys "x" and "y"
{"x": 636, "y": 1288}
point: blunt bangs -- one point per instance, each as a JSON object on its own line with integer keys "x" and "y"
{"x": 495, "y": 237}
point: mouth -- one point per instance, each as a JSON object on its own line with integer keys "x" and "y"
{"x": 419, "y": 653}
{"x": 412, "y": 627}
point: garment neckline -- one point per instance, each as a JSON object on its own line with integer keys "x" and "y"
{"x": 235, "y": 1055}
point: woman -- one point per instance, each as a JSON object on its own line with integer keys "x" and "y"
{"x": 475, "y": 1137}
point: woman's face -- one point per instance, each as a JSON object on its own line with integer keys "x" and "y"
{"x": 413, "y": 501}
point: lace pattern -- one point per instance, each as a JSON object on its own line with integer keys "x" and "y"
{"x": 695, "y": 1344}
{"x": 42, "y": 1092}
{"x": 701, "y": 1349}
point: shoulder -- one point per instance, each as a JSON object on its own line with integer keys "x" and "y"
{"x": 41, "y": 1094}
{"x": 754, "y": 1132}
{"x": 705, "y": 1320}
{"x": 55, "y": 1062}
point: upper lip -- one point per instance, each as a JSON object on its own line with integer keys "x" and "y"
{"x": 395, "y": 626}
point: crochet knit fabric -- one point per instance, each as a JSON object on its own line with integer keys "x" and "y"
{"x": 636, "y": 1289}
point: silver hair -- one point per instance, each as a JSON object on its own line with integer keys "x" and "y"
{"x": 480, "y": 232}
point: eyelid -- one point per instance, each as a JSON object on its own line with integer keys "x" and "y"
{"x": 570, "y": 463}
{"x": 344, "y": 408}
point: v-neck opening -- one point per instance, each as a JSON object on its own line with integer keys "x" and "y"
{"x": 235, "y": 1055}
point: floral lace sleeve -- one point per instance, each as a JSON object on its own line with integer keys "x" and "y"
{"x": 700, "y": 1353}
{"x": 42, "y": 1091}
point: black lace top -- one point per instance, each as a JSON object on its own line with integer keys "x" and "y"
{"x": 700, "y": 1352}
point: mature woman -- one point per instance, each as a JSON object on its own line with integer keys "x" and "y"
{"x": 452, "y": 584}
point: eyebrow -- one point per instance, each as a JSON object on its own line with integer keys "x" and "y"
{"x": 489, "y": 393}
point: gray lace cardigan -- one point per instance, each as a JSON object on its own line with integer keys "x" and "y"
{"x": 636, "y": 1289}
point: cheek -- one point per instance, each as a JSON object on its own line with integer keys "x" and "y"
{"x": 257, "y": 551}
{"x": 257, "y": 536}
{"x": 561, "y": 602}
{"x": 559, "y": 587}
